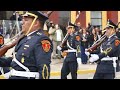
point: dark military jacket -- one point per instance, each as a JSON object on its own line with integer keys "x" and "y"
{"x": 74, "y": 42}
{"x": 34, "y": 52}
{"x": 110, "y": 48}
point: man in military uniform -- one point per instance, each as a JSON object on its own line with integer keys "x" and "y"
{"x": 72, "y": 50}
{"x": 108, "y": 56}
{"x": 32, "y": 56}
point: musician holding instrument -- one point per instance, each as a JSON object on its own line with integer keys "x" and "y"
{"x": 32, "y": 55}
{"x": 108, "y": 56}
{"x": 71, "y": 50}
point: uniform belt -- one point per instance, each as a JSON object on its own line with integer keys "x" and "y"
{"x": 109, "y": 58}
{"x": 71, "y": 50}
{"x": 6, "y": 75}
{"x": 24, "y": 74}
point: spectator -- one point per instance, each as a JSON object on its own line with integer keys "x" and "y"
{"x": 89, "y": 28}
{"x": 63, "y": 28}
{"x": 78, "y": 26}
{"x": 95, "y": 36}
{"x": 90, "y": 38}
{"x": 58, "y": 38}
{"x": 118, "y": 32}
{"x": 98, "y": 32}
{"x": 52, "y": 37}
{"x": 49, "y": 24}
{"x": 84, "y": 45}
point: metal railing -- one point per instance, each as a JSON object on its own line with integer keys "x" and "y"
{"x": 9, "y": 28}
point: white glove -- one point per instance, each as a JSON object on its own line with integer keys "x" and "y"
{"x": 87, "y": 53}
{"x": 59, "y": 48}
{"x": 94, "y": 57}
{"x": 79, "y": 60}
{"x": 86, "y": 50}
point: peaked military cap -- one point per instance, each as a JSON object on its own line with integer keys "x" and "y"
{"x": 111, "y": 24}
{"x": 73, "y": 26}
{"x": 70, "y": 25}
{"x": 38, "y": 14}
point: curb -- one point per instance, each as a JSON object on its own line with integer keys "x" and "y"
{"x": 78, "y": 72}
{"x": 59, "y": 73}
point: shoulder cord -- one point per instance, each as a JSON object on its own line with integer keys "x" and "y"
{"x": 69, "y": 46}
{"x": 21, "y": 65}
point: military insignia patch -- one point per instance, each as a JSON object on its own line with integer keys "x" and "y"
{"x": 22, "y": 60}
{"x": 78, "y": 38}
{"x": 107, "y": 50}
{"x": 1, "y": 40}
{"x": 117, "y": 42}
{"x": 46, "y": 45}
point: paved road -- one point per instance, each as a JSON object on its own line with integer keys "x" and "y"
{"x": 80, "y": 76}
{"x": 84, "y": 72}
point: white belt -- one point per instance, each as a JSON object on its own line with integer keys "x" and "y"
{"x": 71, "y": 50}
{"x": 20, "y": 64}
{"x": 109, "y": 58}
{"x": 24, "y": 74}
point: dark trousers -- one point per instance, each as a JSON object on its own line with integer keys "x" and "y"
{"x": 16, "y": 77}
{"x": 84, "y": 57}
{"x": 44, "y": 73}
{"x": 69, "y": 67}
{"x": 105, "y": 70}
{"x": 104, "y": 76}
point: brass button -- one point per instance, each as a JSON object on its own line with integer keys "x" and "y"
{"x": 25, "y": 48}
{"x": 23, "y": 54}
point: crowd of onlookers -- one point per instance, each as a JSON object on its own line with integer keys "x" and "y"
{"x": 88, "y": 35}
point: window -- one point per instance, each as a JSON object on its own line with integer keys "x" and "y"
{"x": 96, "y": 18}
{"x": 2, "y": 15}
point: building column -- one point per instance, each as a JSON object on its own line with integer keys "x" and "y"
{"x": 104, "y": 19}
{"x": 118, "y": 16}
{"x": 88, "y": 18}
{"x": 73, "y": 16}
